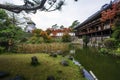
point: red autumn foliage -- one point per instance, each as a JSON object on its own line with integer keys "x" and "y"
{"x": 44, "y": 34}
{"x": 103, "y": 16}
{"x": 63, "y": 30}
{"x": 109, "y": 14}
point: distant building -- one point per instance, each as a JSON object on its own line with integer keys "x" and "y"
{"x": 94, "y": 28}
{"x": 30, "y": 26}
{"x": 58, "y": 33}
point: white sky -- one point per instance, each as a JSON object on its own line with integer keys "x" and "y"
{"x": 72, "y": 11}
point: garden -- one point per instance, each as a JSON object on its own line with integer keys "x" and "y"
{"x": 19, "y": 66}
{"x": 35, "y": 55}
{"x": 38, "y": 55}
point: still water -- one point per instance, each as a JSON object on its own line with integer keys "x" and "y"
{"x": 105, "y": 67}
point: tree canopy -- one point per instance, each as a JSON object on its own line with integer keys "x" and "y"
{"x": 74, "y": 24}
{"x": 9, "y": 32}
{"x": 34, "y": 5}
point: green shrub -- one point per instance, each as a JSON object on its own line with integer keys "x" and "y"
{"x": 32, "y": 40}
{"x": 1, "y": 49}
{"x": 48, "y": 39}
{"x": 57, "y": 40}
{"x": 71, "y": 46}
{"x": 39, "y": 40}
{"x": 35, "y": 40}
{"x": 110, "y": 43}
{"x": 85, "y": 40}
{"x": 118, "y": 50}
{"x": 100, "y": 44}
{"x": 103, "y": 51}
{"x": 116, "y": 29}
{"x": 116, "y": 34}
{"x": 115, "y": 52}
{"x": 66, "y": 38}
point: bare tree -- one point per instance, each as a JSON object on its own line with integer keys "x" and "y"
{"x": 34, "y": 5}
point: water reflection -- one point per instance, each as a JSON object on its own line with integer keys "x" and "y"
{"x": 104, "y": 67}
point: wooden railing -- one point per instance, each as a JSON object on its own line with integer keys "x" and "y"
{"x": 92, "y": 31}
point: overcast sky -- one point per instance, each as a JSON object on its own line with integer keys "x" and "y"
{"x": 72, "y": 11}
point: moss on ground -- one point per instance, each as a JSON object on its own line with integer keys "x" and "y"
{"x": 19, "y": 64}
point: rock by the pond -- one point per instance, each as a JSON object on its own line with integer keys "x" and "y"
{"x": 3, "y": 74}
{"x": 53, "y": 54}
{"x": 18, "y": 78}
{"x": 50, "y": 78}
{"x": 34, "y": 60}
{"x": 76, "y": 62}
{"x": 64, "y": 63}
{"x": 70, "y": 57}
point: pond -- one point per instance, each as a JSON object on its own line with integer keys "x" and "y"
{"x": 105, "y": 67}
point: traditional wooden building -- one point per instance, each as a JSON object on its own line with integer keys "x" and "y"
{"x": 95, "y": 27}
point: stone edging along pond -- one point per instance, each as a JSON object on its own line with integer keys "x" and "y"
{"x": 88, "y": 75}
{"x": 85, "y": 73}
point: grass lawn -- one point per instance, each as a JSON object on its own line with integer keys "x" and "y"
{"x": 20, "y": 64}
